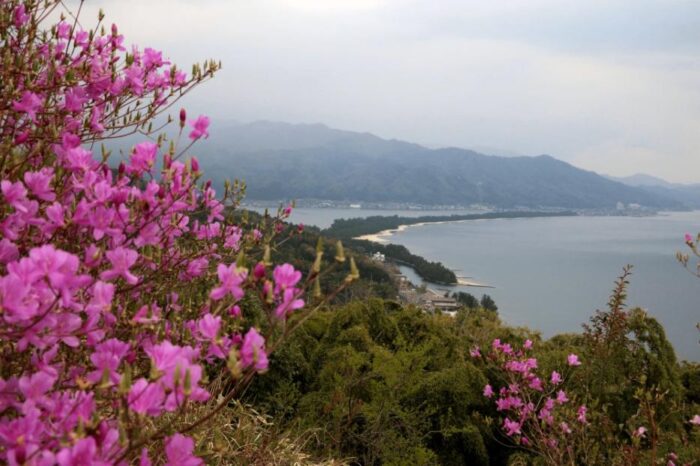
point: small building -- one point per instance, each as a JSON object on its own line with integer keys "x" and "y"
{"x": 432, "y": 300}
{"x": 378, "y": 256}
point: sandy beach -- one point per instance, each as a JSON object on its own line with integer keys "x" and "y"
{"x": 383, "y": 238}
{"x": 465, "y": 282}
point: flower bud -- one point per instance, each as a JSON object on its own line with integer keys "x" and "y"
{"x": 339, "y": 252}
{"x": 176, "y": 376}
{"x": 187, "y": 388}
{"x": 183, "y": 117}
{"x": 105, "y": 380}
{"x": 259, "y": 271}
{"x": 316, "y": 268}
{"x": 125, "y": 381}
{"x": 195, "y": 164}
{"x": 317, "y": 288}
{"x": 354, "y": 272}
{"x": 266, "y": 256}
{"x": 233, "y": 365}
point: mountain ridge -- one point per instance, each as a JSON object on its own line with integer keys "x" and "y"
{"x": 299, "y": 161}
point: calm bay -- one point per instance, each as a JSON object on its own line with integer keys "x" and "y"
{"x": 551, "y": 274}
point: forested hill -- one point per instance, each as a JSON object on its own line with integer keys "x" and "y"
{"x": 284, "y": 161}
{"x": 346, "y": 228}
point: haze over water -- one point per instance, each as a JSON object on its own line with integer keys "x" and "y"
{"x": 551, "y": 274}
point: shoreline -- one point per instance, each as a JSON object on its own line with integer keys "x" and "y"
{"x": 383, "y": 236}
{"x": 379, "y": 237}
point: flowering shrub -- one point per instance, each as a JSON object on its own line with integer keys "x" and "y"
{"x": 123, "y": 289}
{"x": 538, "y": 412}
{"x": 544, "y": 418}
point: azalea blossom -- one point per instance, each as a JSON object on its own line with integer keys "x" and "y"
{"x": 512, "y": 427}
{"x": 30, "y": 103}
{"x": 200, "y": 127}
{"x": 179, "y": 450}
{"x": 572, "y": 360}
{"x": 556, "y": 378}
{"x": 146, "y": 398}
{"x": 231, "y": 279}
{"x": 122, "y": 260}
{"x": 253, "y": 351}
{"x": 581, "y": 414}
{"x": 285, "y": 277}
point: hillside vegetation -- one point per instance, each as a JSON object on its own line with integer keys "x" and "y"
{"x": 281, "y": 161}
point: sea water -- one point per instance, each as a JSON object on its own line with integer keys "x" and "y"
{"x": 551, "y": 274}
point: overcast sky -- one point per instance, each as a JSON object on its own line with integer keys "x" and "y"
{"x": 611, "y": 86}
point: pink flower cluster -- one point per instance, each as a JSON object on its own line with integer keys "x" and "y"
{"x": 95, "y": 259}
{"x": 537, "y": 411}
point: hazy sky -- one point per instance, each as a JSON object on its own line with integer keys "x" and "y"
{"x": 612, "y": 86}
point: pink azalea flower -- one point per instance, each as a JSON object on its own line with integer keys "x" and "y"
{"x": 63, "y": 30}
{"x": 37, "y": 385}
{"x": 174, "y": 363}
{"x": 30, "y": 103}
{"x": 39, "y": 183}
{"x": 546, "y": 415}
{"x": 572, "y": 360}
{"x": 75, "y": 98}
{"x": 8, "y": 251}
{"x": 561, "y": 397}
{"x": 208, "y": 326}
{"x": 253, "y": 351}
{"x": 695, "y": 420}
{"x": 231, "y": 278}
{"x": 143, "y": 156}
{"x": 146, "y": 398}
{"x": 196, "y": 268}
{"x": 512, "y": 427}
{"x": 289, "y": 303}
{"x": 122, "y": 259}
{"x": 556, "y": 378}
{"x": 488, "y": 391}
{"x": 147, "y": 314}
{"x": 144, "y": 460}
{"x": 640, "y": 432}
{"x": 179, "y": 450}
{"x": 20, "y": 15}
{"x": 475, "y": 352}
{"x": 200, "y": 128}
{"x": 81, "y": 38}
{"x": 285, "y": 277}
{"x": 15, "y": 195}
{"x": 83, "y": 452}
{"x": 688, "y": 238}
{"x": 581, "y": 414}
{"x": 106, "y": 358}
{"x": 527, "y": 345}
{"x": 565, "y": 428}
{"x": 536, "y": 384}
